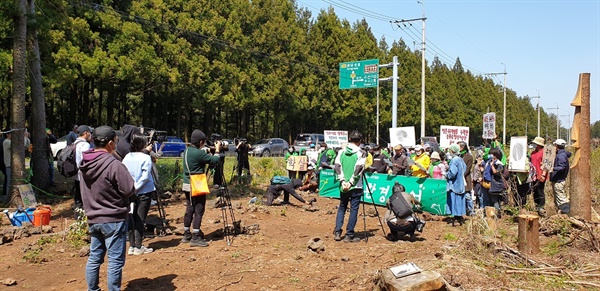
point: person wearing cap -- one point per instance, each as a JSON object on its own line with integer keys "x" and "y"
{"x": 72, "y": 136}
{"x": 82, "y": 144}
{"x": 496, "y": 190}
{"x": 310, "y": 182}
{"x": 437, "y": 167}
{"x": 349, "y": 168}
{"x": 558, "y": 176}
{"x": 380, "y": 162}
{"x": 326, "y": 158}
{"x": 468, "y": 159}
{"x": 455, "y": 184}
{"x": 195, "y": 160}
{"x": 399, "y": 161}
{"x": 421, "y": 163}
{"x": 539, "y": 181}
{"x": 106, "y": 187}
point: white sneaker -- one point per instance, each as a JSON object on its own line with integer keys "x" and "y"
{"x": 142, "y": 250}
{"x": 130, "y": 251}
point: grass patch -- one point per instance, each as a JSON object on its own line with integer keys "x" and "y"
{"x": 552, "y": 248}
{"x": 450, "y": 236}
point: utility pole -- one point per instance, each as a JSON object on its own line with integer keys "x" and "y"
{"x": 422, "y": 19}
{"x": 394, "y": 79}
{"x": 569, "y": 130}
{"x": 556, "y": 108}
{"x": 504, "y": 103}
{"x": 538, "y": 110}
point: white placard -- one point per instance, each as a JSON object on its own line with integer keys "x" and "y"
{"x": 489, "y": 125}
{"x": 335, "y": 138}
{"x": 27, "y": 195}
{"x": 453, "y": 134}
{"x": 402, "y": 135}
{"x": 517, "y": 161}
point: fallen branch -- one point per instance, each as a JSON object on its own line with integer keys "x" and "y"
{"x": 231, "y": 283}
{"x": 572, "y": 239}
{"x": 240, "y": 261}
{"x": 533, "y": 272}
{"x": 583, "y": 283}
{"x": 533, "y": 269}
{"x": 239, "y": 272}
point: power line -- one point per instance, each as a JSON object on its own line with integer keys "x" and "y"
{"x": 358, "y": 11}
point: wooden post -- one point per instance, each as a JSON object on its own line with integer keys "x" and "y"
{"x": 529, "y": 240}
{"x": 490, "y": 217}
{"x": 580, "y": 180}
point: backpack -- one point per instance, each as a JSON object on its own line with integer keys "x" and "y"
{"x": 280, "y": 180}
{"x": 67, "y": 165}
{"x": 398, "y": 204}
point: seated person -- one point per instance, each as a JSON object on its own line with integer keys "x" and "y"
{"x": 310, "y": 182}
{"x": 406, "y": 225}
{"x": 275, "y": 190}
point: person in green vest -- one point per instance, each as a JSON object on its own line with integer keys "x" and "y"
{"x": 290, "y": 152}
{"x": 326, "y": 157}
{"x": 496, "y": 144}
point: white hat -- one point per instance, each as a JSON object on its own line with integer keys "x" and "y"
{"x": 311, "y": 168}
{"x": 418, "y": 147}
{"x": 435, "y": 155}
{"x": 560, "y": 142}
{"x": 538, "y": 141}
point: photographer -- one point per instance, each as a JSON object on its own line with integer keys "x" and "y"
{"x": 407, "y": 224}
{"x": 218, "y": 178}
{"x": 242, "y": 148}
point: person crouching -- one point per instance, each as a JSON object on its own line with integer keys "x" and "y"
{"x": 290, "y": 188}
{"x": 406, "y": 224}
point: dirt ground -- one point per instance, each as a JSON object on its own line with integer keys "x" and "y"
{"x": 276, "y": 258}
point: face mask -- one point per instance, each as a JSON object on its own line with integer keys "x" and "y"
{"x": 377, "y": 152}
{"x": 449, "y": 156}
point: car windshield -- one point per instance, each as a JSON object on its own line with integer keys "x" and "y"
{"x": 303, "y": 138}
{"x": 263, "y": 141}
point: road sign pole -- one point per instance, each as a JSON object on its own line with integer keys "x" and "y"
{"x": 395, "y": 93}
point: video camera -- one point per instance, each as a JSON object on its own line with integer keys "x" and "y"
{"x": 153, "y": 135}
{"x": 214, "y": 139}
{"x": 239, "y": 140}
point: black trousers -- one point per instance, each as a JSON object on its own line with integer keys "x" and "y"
{"x": 135, "y": 228}
{"x": 194, "y": 210}
{"x": 243, "y": 164}
{"x": 539, "y": 197}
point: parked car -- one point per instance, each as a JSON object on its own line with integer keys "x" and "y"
{"x": 58, "y": 146}
{"x": 174, "y": 147}
{"x": 268, "y": 147}
{"x": 230, "y": 147}
{"x": 304, "y": 140}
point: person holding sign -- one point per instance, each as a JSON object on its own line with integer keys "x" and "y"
{"x": 539, "y": 182}
{"x": 349, "y": 168}
{"x": 421, "y": 163}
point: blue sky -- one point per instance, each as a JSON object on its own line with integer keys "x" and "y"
{"x": 545, "y": 45}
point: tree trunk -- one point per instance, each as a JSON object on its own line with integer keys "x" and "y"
{"x": 39, "y": 157}
{"x": 529, "y": 238}
{"x": 18, "y": 103}
{"x": 581, "y": 179}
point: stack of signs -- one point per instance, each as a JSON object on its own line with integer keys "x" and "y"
{"x": 335, "y": 138}
{"x": 453, "y": 134}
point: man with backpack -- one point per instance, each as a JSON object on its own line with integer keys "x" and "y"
{"x": 81, "y": 144}
{"x": 288, "y": 186}
{"x": 400, "y": 216}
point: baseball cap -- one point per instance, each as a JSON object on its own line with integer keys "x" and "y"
{"x": 104, "y": 133}
{"x": 83, "y": 128}
{"x": 560, "y": 142}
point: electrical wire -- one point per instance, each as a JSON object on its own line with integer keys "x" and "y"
{"x": 358, "y": 11}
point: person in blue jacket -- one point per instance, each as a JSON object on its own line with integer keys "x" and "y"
{"x": 558, "y": 176}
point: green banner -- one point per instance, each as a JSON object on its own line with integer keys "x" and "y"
{"x": 430, "y": 192}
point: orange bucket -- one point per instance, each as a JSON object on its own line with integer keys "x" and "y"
{"x": 41, "y": 216}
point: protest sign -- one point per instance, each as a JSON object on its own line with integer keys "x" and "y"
{"x": 430, "y": 192}
{"x": 402, "y": 135}
{"x": 518, "y": 154}
{"x": 335, "y": 138}
{"x": 297, "y": 163}
{"x": 27, "y": 195}
{"x": 489, "y": 125}
{"x": 548, "y": 159}
{"x": 453, "y": 134}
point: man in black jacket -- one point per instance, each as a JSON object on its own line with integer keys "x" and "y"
{"x": 275, "y": 190}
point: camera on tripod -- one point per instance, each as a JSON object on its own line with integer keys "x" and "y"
{"x": 214, "y": 139}
{"x": 153, "y": 136}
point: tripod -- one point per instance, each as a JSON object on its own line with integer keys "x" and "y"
{"x": 374, "y": 205}
{"x": 159, "y": 204}
{"x": 231, "y": 227}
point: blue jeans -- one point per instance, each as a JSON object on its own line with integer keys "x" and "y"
{"x": 352, "y": 196}
{"x": 107, "y": 238}
{"x": 469, "y": 200}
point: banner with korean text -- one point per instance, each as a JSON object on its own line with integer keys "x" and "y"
{"x": 335, "y": 138}
{"x": 430, "y": 192}
{"x": 453, "y": 134}
{"x": 489, "y": 125}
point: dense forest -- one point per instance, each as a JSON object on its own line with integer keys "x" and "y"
{"x": 260, "y": 68}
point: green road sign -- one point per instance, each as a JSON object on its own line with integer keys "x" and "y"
{"x": 359, "y": 74}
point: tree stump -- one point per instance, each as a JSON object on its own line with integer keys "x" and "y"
{"x": 529, "y": 240}
{"x": 490, "y": 217}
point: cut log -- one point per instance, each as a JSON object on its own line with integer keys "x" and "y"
{"x": 529, "y": 238}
